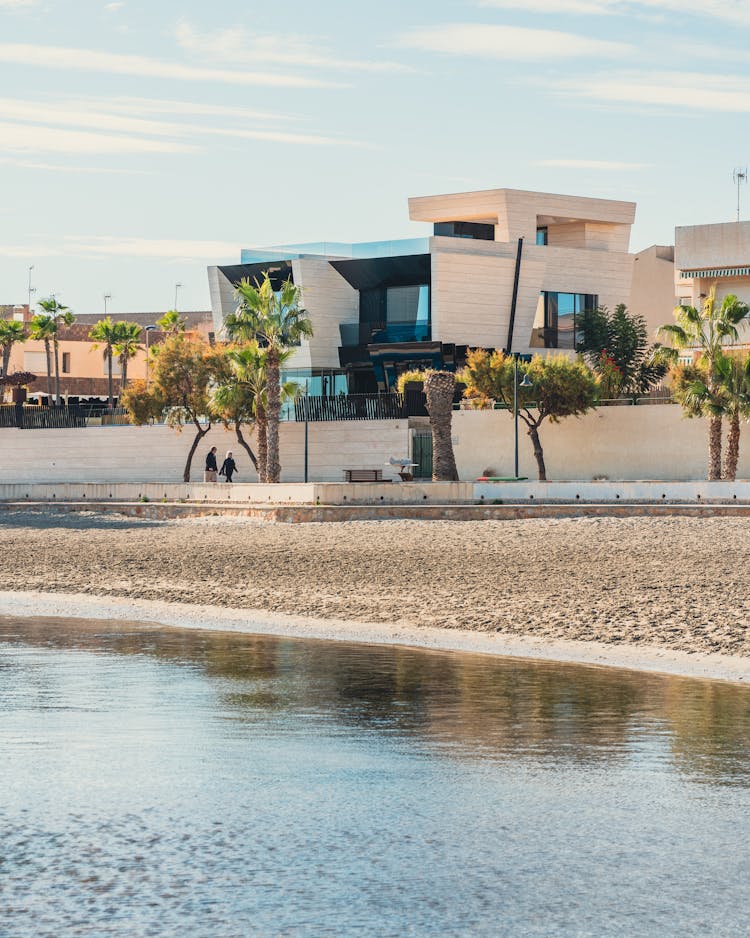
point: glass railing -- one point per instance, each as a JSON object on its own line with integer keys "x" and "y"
{"x": 381, "y": 333}
{"x": 362, "y": 250}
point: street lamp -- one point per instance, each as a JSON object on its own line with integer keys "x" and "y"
{"x": 177, "y": 286}
{"x": 525, "y": 383}
{"x": 31, "y": 289}
{"x": 107, "y": 298}
{"x": 148, "y": 330}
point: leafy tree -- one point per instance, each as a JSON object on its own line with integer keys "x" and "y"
{"x": 171, "y": 322}
{"x": 278, "y": 322}
{"x": 183, "y": 373}
{"x": 106, "y": 334}
{"x": 615, "y": 345}
{"x": 11, "y": 332}
{"x": 709, "y": 330}
{"x": 42, "y": 329}
{"x": 126, "y": 346}
{"x": 559, "y": 388}
{"x": 142, "y": 404}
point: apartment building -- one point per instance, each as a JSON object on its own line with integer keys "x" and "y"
{"x": 501, "y": 268}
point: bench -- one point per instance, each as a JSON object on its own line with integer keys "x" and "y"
{"x": 363, "y": 475}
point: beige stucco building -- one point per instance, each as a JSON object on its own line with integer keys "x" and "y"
{"x": 501, "y": 268}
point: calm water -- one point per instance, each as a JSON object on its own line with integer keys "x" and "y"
{"x": 172, "y": 784}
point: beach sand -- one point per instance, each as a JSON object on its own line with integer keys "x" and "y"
{"x": 667, "y": 593}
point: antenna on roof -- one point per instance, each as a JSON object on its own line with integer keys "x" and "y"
{"x": 739, "y": 176}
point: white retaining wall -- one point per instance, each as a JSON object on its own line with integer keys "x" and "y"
{"x": 150, "y": 454}
{"x": 613, "y": 443}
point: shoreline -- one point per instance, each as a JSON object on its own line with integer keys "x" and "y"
{"x": 651, "y": 659}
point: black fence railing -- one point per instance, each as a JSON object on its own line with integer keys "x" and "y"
{"x": 42, "y": 417}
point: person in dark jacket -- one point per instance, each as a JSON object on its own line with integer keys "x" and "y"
{"x": 228, "y": 467}
{"x": 209, "y": 474}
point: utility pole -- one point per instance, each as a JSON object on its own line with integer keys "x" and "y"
{"x": 31, "y": 289}
{"x": 107, "y": 297}
{"x": 177, "y": 286}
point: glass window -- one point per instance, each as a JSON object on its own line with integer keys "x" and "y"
{"x": 66, "y": 363}
{"x": 542, "y": 236}
{"x": 560, "y": 317}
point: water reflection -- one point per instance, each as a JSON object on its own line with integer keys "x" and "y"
{"x": 469, "y": 706}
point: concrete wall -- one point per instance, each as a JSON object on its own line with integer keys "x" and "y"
{"x": 125, "y": 454}
{"x": 652, "y": 293}
{"x": 644, "y": 442}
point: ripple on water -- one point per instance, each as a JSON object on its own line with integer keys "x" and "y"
{"x": 161, "y": 783}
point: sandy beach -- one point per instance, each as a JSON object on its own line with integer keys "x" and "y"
{"x": 666, "y": 594}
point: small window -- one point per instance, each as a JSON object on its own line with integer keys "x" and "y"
{"x": 66, "y": 363}
{"x": 542, "y": 235}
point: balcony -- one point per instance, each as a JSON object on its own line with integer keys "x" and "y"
{"x": 383, "y": 333}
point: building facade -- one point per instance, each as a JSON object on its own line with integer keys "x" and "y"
{"x": 502, "y": 268}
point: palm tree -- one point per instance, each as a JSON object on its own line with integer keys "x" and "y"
{"x": 171, "y": 322}
{"x": 43, "y": 328}
{"x": 439, "y": 388}
{"x": 709, "y": 330}
{"x": 106, "y": 333}
{"x": 126, "y": 347}
{"x": 734, "y": 377}
{"x": 11, "y": 332}
{"x": 61, "y": 316}
{"x": 278, "y": 322}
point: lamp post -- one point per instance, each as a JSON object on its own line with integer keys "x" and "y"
{"x": 31, "y": 289}
{"x": 177, "y": 287}
{"x": 524, "y": 384}
{"x": 307, "y": 421}
{"x": 148, "y": 330}
{"x": 107, "y": 298}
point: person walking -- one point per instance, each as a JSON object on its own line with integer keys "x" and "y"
{"x": 228, "y": 467}
{"x": 209, "y": 474}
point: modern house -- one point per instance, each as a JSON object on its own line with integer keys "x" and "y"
{"x": 499, "y": 269}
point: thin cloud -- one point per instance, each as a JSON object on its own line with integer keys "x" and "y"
{"x": 30, "y": 138}
{"x": 237, "y": 44}
{"x": 683, "y": 90}
{"x": 733, "y": 11}
{"x": 15, "y": 4}
{"x": 511, "y": 43}
{"x": 90, "y": 60}
{"x": 61, "y": 168}
{"x": 111, "y": 246}
{"x": 87, "y": 114}
{"x": 592, "y": 164}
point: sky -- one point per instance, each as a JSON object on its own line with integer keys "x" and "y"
{"x": 142, "y": 141}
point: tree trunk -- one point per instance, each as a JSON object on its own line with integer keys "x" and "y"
{"x": 261, "y": 428}
{"x": 273, "y": 391}
{"x": 200, "y": 433}
{"x": 48, "y": 353}
{"x": 109, "y": 379}
{"x": 714, "y": 449}
{"x": 6, "y": 358}
{"x": 56, "y": 347}
{"x": 243, "y": 443}
{"x": 123, "y": 374}
{"x": 732, "y": 455}
{"x": 439, "y": 388}
{"x": 538, "y": 452}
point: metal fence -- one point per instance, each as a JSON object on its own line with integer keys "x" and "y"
{"x": 388, "y": 406}
{"x": 42, "y": 417}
